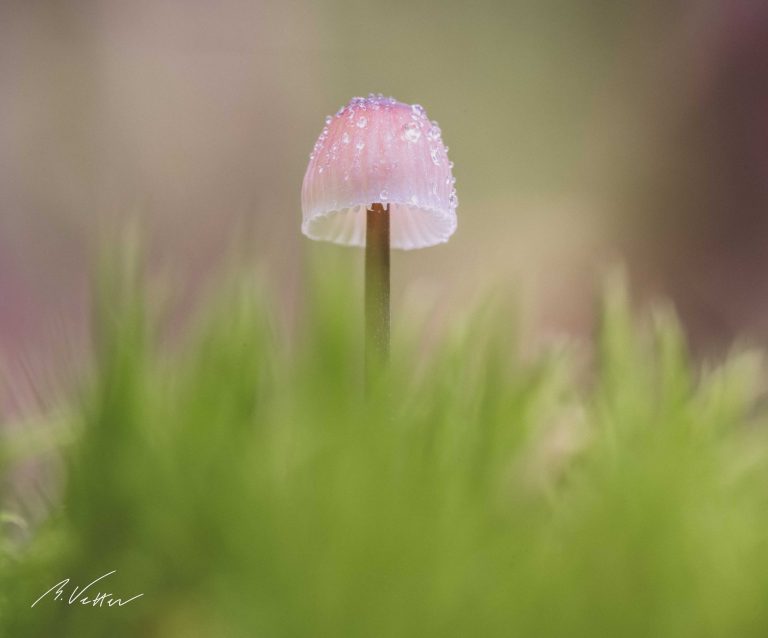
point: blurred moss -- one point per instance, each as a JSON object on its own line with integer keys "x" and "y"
{"x": 245, "y": 485}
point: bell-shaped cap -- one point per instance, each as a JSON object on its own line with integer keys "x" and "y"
{"x": 379, "y": 150}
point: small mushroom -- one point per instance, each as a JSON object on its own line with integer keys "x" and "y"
{"x": 379, "y": 176}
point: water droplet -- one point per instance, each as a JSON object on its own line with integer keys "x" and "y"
{"x": 414, "y": 200}
{"x": 453, "y": 200}
{"x": 328, "y": 119}
{"x": 360, "y": 145}
{"x": 412, "y": 132}
{"x": 434, "y": 133}
{"x": 450, "y": 164}
{"x": 345, "y": 138}
{"x": 435, "y": 156}
{"x": 417, "y": 111}
{"x": 320, "y": 169}
{"x": 384, "y": 195}
{"x": 362, "y": 121}
{"x": 346, "y": 176}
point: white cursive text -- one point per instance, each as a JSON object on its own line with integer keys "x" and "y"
{"x": 78, "y": 594}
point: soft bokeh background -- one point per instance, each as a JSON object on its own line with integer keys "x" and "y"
{"x": 242, "y": 481}
{"x": 584, "y": 133}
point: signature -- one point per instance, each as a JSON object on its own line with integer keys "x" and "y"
{"x": 78, "y": 594}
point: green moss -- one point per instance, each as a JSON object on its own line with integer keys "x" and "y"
{"x": 247, "y": 486}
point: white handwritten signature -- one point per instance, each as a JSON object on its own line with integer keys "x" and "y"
{"x": 78, "y": 594}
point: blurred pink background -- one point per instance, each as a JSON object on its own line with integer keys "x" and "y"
{"x": 584, "y": 133}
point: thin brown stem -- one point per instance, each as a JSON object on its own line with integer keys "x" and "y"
{"x": 376, "y": 290}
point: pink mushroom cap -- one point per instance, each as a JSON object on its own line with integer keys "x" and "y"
{"x": 379, "y": 150}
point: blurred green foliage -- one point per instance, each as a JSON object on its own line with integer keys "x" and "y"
{"x": 247, "y": 486}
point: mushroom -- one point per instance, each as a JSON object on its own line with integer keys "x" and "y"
{"x": 379, "y": 176}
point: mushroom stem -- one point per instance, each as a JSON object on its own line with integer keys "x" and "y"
{"x": 376, "y": 290}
